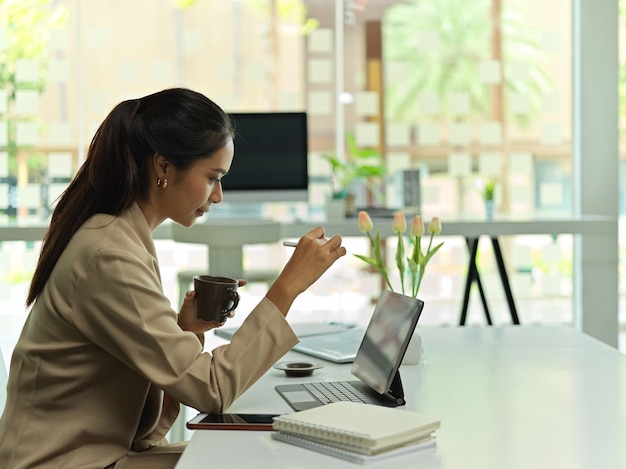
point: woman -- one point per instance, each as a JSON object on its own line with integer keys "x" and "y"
{"x": 103, "y": 361}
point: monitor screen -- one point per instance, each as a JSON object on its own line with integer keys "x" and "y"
{"x": 270, "y": 162}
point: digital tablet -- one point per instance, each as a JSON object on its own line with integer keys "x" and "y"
{"x": 231, "y": 421}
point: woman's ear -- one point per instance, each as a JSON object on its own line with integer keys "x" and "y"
{"x": 160, "y": 165}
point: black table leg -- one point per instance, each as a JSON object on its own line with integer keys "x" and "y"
{"x": 473, "y": 276}
{"x": 505, "y": 280}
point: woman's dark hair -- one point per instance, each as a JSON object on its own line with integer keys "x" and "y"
{"x": 181, "y": 125}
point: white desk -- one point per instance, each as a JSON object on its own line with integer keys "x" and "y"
{"x": 509, "y": 397}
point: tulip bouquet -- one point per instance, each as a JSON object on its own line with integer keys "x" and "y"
{"x": 416, "y": 262}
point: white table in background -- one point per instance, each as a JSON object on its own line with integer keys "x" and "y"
{"x": 509, "y": 397}
{"x": 595, "y": 297}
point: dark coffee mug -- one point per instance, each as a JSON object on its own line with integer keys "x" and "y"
{"x": 215, "y": 297}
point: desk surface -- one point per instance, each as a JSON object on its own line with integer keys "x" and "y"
{"x": 586, "y": 224}
{"x": 510, "y": 397}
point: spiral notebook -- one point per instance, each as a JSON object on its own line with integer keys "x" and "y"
{"x": 351, "y": 455}
{"x": 359, "y": 428}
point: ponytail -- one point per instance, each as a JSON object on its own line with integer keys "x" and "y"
{"x": 179, "y": 124}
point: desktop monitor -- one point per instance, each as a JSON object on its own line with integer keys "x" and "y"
{"x": 271, "y": 158}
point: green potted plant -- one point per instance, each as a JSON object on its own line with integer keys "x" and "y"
{"x": 488, "y": 193}
{"x": 360, "y": 164}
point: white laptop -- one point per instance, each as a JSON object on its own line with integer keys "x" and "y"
{"x": 376, "y": 364}
{"x": 333, "y": 341}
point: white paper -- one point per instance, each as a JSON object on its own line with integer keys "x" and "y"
{"x": 521, "y": 195}
{"x": 551, "y": 103}
{"x": 60, "y": 165}
{"x": 459, "y": 134}
{"x": 490, "y": 164}
{"x": 521, "y": 163}
{"x": 318, "y": 165}
{"x": 491, "y": 133}
{"x": 428, "y": 134}
{"x": 59, "y": 70}
{"x": 320, "y": 71}
{"x": 29, "y": 196}
{"x": 550, "y": 194}
{"x": 320, "y": 103}
{"x": 59, "y": 133}
{"x": 27, "y": 71}
{"x": 519, "y": 104}
{"x": 459, "y": 164}
{"x": 27, "y": 134}
{"x": 59, "y": 39}
{"x": 490, "y": 72}
{"x": 398, "y": 161}
{"x": 367, "y": 134}
{"x": 520, "y": 71}
{"x": 398, "y": 134}
{"x": 321, "y": 41}
{"x": 366, "y": 104}
{"x": 26, "y": 101}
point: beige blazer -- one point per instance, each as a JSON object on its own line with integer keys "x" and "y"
{"x": 100, "y": 346}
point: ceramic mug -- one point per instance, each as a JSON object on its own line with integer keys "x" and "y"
{"x": 216, "y": 297}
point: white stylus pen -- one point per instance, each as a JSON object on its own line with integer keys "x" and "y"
{"x": 293, "y": 244}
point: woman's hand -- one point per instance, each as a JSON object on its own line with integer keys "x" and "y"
{"x": 188, "y": 319}
{"x": 311, "y": 258}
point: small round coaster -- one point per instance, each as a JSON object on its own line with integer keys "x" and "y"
{"x": 297, "y": 369}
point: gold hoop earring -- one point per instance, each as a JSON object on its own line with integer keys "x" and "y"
{"x": 159, "y": 182}
{"x": 164, "y": 183}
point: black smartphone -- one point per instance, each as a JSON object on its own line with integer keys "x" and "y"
{"x": 231, "y": 421}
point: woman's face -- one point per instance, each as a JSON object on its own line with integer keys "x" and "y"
{"x": 190, "y": 193}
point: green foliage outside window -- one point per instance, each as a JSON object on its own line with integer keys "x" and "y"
{"x": 25, "y": 27}
{"x": 444, "y": 42}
